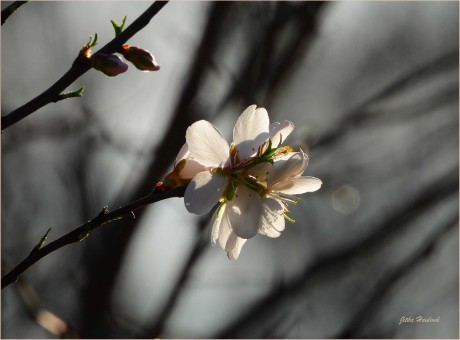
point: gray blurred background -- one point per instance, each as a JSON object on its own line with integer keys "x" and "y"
{"x": 372, "y": 88}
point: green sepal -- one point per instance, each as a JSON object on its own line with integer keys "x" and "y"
{"x": 118, "y": 27}
{"x": 230, "y": 193}
{"x": 180, "y": 166}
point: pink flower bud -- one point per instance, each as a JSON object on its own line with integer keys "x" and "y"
{"x": 185, "y": 168}
{"x": 109, "y": 64}
{"x": 140, "y": 58}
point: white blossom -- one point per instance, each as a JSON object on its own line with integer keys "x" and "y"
{"x": 209, "y": 148}
{"x": 254, "y": 179}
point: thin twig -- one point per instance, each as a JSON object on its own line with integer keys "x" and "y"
{"x": 11, "y": 9}
{"x": 46, "y": 319}
{"x": 79, "y": 67}
{"x": 83, "y": 231}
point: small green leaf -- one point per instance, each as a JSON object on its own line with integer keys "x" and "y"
{"x": 78, "y": 93}
{"x": 72, "y": 94}
{"x": 83, "y": 235}
{"x": 118, "y": 27}
{"x": 91, "y": 42}
{"x": 43, "y": 239}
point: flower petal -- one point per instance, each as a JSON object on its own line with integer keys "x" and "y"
{"x": 244, "y": 212}
{"x": 204, "y": 191}
{"x": 234, "y": 245}
{"x": 250, "y": 131}
{"x": 280, "y": 131}
{"x": 184, "y": 152}
{"x": 225, "y": 230}
{"x": 298, "y": 185}
{"x": 206, "y": 144}
{"x": 192, "y": 167}
{"x": 260, "y": 171}
{"x": 291, "y": 165}
{"x": 216, "y": 222}
{"x": 272, "y": 221}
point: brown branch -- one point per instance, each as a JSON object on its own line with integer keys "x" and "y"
{"x": 79, "y": 67}
{"x": 11, "y": 9}
{"x": 83, "y": 231}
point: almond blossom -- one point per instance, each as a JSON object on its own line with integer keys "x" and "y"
{"x": 254, "y": 179}
{"x": 264, "y": 209}
{"x": 211, "y": 149}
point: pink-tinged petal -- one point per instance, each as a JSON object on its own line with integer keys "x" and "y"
{"x": 272, "y": 222}
{"x": 250, "y": 131}
{"x": 234, "y": 245}
{"x": 216, "y": 222}
{"x": 206, "y": 144}
{"x": 284, "y": 168}
{"x": 244, "y": 212}
{"x": 184, "y": 153}
{"x": 204, "y": 191}
{"x": 192, "y": 167}
{"x": 298, "y": 185}
{"x": 280, "y": 131}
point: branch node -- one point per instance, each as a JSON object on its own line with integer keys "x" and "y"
{"x": 42, "y": 241}
{"x": 104, "y": 211}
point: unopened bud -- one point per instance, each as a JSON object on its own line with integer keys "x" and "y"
{"x": 109, "y": 64}
{"x": 185, "y": 168}
{"x": 140, "y": 58}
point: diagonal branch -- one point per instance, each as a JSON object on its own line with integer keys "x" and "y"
{"x": 79, "y": 67}
{"x": 83, "y": 231}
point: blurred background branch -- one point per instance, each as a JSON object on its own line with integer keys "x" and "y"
{"x": 6, "y": 13}
{"x": 373, "y": 91}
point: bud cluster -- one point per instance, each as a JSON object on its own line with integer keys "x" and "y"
{"x": 111, "y": 64}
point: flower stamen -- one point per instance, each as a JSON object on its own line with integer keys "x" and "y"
{"x": 285, "y": 198}
{"x": 289, "y": 218}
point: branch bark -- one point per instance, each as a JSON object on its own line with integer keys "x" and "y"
{"x": 84, "y": 230}
{"x": 79, "y": 67}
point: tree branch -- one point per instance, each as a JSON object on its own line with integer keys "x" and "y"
{"x": 11, "y": 9}
{"x": 83, "y": 231}
{"x": 80, "y": 66}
